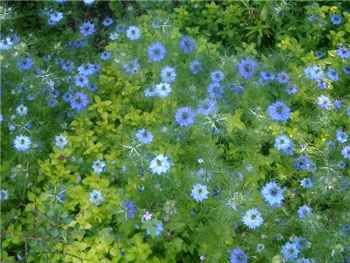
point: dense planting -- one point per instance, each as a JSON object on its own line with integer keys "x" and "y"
{"x": 151, "y": 134}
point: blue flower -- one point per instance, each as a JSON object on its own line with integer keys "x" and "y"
{"x": 81, "y": 81}
{"x": 22, "y": 143}
{"x": 156, "y": 52}
{"x": 284, "y": 144}
{"x": 162, "y": 90}
{"x": 324, "y": 102}
{"x": 306, "y": 183}
{"x": 304, "y": 211}
{"x": 282, "y": 78}
{"x": 207, "y": 107}
{"x": 238, "y": 89}
{"x": 54, "y": 17}
{"x": 66, "y": 65}
{"x": 195, "y": 66}
{"x": 215, "y": 90}
{"x": 105, "y": 55}
{"x": 304, "y": 260}
{"x": 3, "y": 195}
{"x": 341, "y": 165}
{"x": 273, "y": 194}
{"x": 187, "y": 44}
{"x": 319, "y": 54}
{"x": 25, "y": 63}
{"x": 291, "y": 90}
{"x": 168, "y": 74}
{"x": 303, "y": 163}
{"x": 217, "y": 76}
{"x": 87, "y": 29}
{"x": 107, "y": 21}
{"x": 86, "y": 69}
{"x": 266, "y": 76}
{"x": 79, "y": 101}
{"x": 132, "y": 67}
{"x": 247, "y": 67}
{"x": 133, "y": 33}
{"x": 341, "y": 136}
{"x": 252, "y": 218}
{"x": 278, "y": 111}
{"x": 343, "y": 52}
{"x": 159, "y": 229}
{"x": 199, "y": 192}
{"x": 237, "y": 255}
{"x": 131, "y": 209}
{"x": 314, "y": 72}
{"x": 290, "y": 251}
{"x": 336, "y": 19}
{"x": 332, "y": 74}
{"x": 322, "y": 84}
{"x": 346, "y": 70}
{"x": 60, "y": 196}
{"x": 185, "y": 116}
{"x": 144, "y": 136}
{"x": 337, "y": 104}
{"x": 346, "y": 152}
{"x": 96, "y": 197}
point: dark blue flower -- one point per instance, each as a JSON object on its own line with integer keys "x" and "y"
{"x": 336, "y": 19}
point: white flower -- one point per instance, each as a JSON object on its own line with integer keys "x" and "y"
{"x": 160, "y": 164}
{"x": 163, "y": 89}
{"x": 133, "y": 33}
{"x": 252, "y": 218}
{"x": 199, "y": 192}
{"x": 99, "y": 166}
{"x": 22, "y": 110}
{"x": 3, "y": 195}
{"x": 22, "y": 143}
{"x": 61, "y": 141}
{"x": 146, "y": 216}
{"x": 96, "y": 197}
